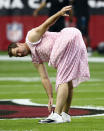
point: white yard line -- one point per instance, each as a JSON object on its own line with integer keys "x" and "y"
{"x": 24, "y": 79}
{"x": 28, "y": 58}
{"x": 33, "y": 92}
{"x": 7, "y": 58}
{"x": 36, "y": 79}
{"x": 96, "y": 59}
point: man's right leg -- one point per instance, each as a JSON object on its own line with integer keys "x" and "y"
{"x": 65, "y": 111}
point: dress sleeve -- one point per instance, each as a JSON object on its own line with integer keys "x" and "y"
{"x": 32, "y": 43}
{"x": 34, "y": 53}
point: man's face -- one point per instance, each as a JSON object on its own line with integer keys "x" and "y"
{"x": 20, "y": 51}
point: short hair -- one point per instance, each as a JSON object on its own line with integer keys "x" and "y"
{"x": 10, "y": 47}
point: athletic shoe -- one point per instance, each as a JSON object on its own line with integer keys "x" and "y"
{"x": 66, "y": 117}
{"x": 49, "y": 117}
{"x": 54, "y": 118}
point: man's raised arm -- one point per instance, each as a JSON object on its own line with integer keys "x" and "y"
{"x": 37, "y": 32}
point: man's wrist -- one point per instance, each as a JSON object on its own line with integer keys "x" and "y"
{"x": 59, "y": 13}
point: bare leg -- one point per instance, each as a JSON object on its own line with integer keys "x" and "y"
{"x": 62, "y": 96}
{"x": 69, "y": 99}
{"x": 63, "y": 102}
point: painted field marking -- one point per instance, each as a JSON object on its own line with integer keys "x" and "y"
{"x": 25, "y": 108}
{"x": 28, "y": 58}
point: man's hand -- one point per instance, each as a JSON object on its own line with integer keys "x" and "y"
{"x": 50, "y": 103}
{"x": 63, "y": 11}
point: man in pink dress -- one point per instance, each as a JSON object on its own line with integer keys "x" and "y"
{"x": 65, "y": 51}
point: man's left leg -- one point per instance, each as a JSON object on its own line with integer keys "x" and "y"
{"x": 69, "y": 99}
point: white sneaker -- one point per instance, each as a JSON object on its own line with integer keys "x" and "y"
{"x": 54, "y": 118}
{"x": 49, "y": 117}
{"x": 66, "y": 117}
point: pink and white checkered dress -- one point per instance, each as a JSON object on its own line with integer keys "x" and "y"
{"x": 66, "y": 52}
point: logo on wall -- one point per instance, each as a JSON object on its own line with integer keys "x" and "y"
{"x": 14, "y": 32}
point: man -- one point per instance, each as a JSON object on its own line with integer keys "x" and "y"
{"x": 82, "y": 14}
{"x": 66, "y": 52}
{"x": 56, "y": 5}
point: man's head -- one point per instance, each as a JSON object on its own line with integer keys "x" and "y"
{"x": 18, "y": 49}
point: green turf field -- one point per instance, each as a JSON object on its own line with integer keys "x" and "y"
{"x": 89, "y": 93}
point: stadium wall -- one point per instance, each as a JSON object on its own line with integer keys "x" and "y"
{"x": 16, "y": 19}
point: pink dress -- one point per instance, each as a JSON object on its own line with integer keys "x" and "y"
{"x": 66, "y": 52}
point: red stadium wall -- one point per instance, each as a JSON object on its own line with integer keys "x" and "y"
{"x": 28, "y": 22}
{"x": 96, "y": 28}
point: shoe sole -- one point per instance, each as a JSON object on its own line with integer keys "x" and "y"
{"x": 49, "y": 121}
